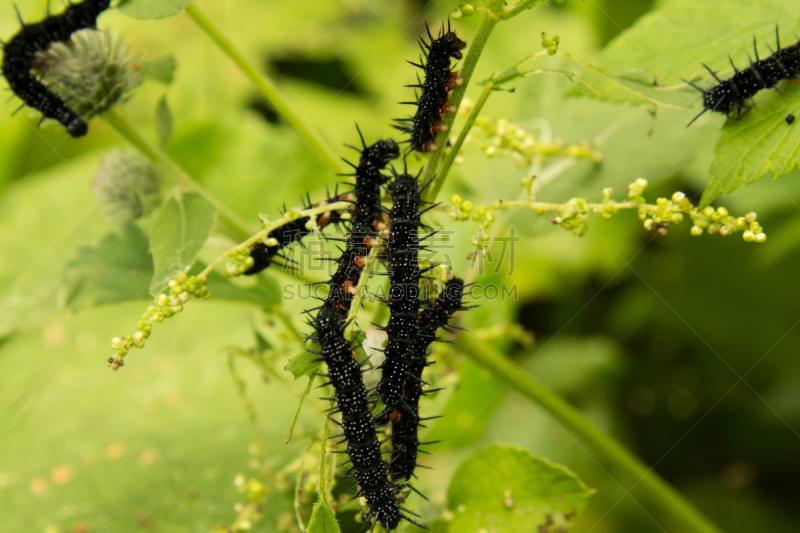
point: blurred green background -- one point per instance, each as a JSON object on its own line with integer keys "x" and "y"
{"x": 682, "y": 347}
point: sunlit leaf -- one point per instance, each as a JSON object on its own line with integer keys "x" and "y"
{"x": 152, "y": 9}
{"x": 506, "y": 489}
{"x": 674, "y": 40}
{"x": 469, "y": 409}
{"x": 118, "y": 268}
{"x": 323, "y": 520}
{"x": 759, "y": 143}
{"x": 163, "y": 122}
{"x": 162, "y": 69}
{"x": 301, "y": 364}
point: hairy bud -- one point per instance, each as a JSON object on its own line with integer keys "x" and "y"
{"x": 92, "y": 72}
{"x": 126, "y": 186}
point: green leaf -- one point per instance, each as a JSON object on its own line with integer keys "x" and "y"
{"x": 163, "y": 122}
{"x": 301, "y": 364}
{"x": 37, "y": 417}
{"x": 469, "y": 409}
{"x": 760, "y": 142}
{"x": 117, "y": 269}
{"x": 264, "y": 294}
{"x": 152, "y": 9}
{"x": 35, "y": 248}
{"x": 322, "y": 519}
{"x": 179, "y": 229}
{"x": 674, "y": 40}
{"x": 162, "y": 69}
{"x": 506, "y": 489}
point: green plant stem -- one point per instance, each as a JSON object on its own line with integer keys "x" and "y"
{"x": 255, "y": 237}
{"x": 363, "y": 280}
{"x": 488, "y": 22}
{"x": 229, "y": 222}
{"x": 521, "y": 6}
{"x": 648, "y": 483}
{"x": 323, "y": 449}
{"x": 462, "y": 136}
{"x": 270, "y": 91}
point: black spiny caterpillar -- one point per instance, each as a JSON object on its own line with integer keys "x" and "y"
{"x": 368, "y": 219}
{"x": 405, "y": 417}
{"x": 264, "y": 254}
{"x": 731, "y": 94}
{"x": 363, "y": 447}
{"x": 402, "y": 265}
{"x": 20, "y": 52}
{"x": 433, "y": 99}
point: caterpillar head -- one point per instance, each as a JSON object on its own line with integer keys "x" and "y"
{"x": 454, "y": 45}
{"x": 383, "y": 152}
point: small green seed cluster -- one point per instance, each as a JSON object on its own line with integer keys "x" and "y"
{"x": 464, "y": 210}
{"x": 508, "y": 139}
{"x": 165, "y": 306}
{"x": 241, "y": 260}
{"x": 550, "y": 44}
{"x": 574, "y": 214}
{"x": 464, "y": 10}
{"x": 657, "y": 217}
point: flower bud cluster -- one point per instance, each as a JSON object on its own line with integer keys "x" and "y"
{"x": 550, "y": 44}
{"x": 506, "y": 138}
{"x": 165, "y": 306}
{"x": 464, "y": 210}
{"x": 464, "y": 10}
{"x": 574, "y": 214}
{"x": 241, "y": 261}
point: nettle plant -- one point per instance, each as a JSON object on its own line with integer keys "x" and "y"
{"x": 370, "y": 345}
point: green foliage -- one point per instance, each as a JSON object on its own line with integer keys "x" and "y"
{"x": 162, "y": 69}
{"x": 152, "y": 9}
{"x": 675, "y": 39}
{"x": 323, "y": 520}
{"x": 759, "y": 143}
{"x": 628, "y": 323}
{"x": 126, "y": 186}
{"x": 469, "y": 408}
{"x": 180, "y": 227}
{"x": 507, "y": 490}
{"x": 163, "y": 122}
{"x": 301, "y": 364}
{"x": 93, "y": 277}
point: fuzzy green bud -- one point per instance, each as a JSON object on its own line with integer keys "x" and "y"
{"x": 93, "y": 71}
{"x": 126, "y": 186}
